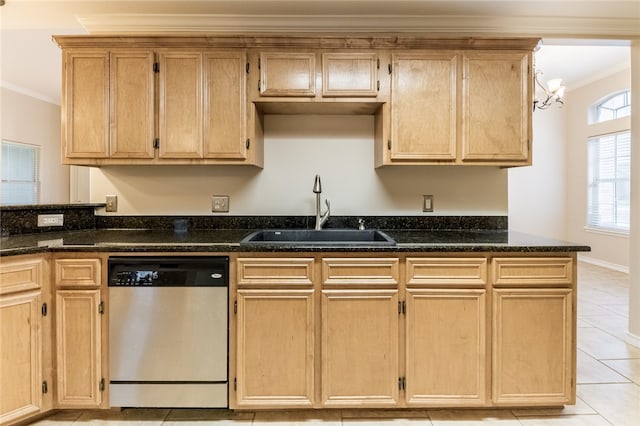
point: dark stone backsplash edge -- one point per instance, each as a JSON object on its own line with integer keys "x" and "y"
{"x": 266, "y": 222}
{"x": 15, "y": 220}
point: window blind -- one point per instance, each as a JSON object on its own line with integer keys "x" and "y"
{"x": 20, "y": 173}
{"x": 609, "y": 181}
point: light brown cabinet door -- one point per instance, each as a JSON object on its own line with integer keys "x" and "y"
{"x": 85, "y": 104}
{"x": 225, "y": 107}
{"x": 78, "y": 348}
{"x": 445, "y": 347}
{"x": 180, "y": 115}
{"x": 275, "y": 348}
{"x": 349, "y": 74}
{"x": 20, "y": 369}
{"x": 423, "y": 106}
{"x": 288, "y": 74}
{"x": 360, "y": 348}
{"x": 132, "y": 104}
{"x": 496, "y": 106}
{"x": 532, "y": 347}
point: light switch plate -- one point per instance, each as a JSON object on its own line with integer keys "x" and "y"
{"x": 220, "y": 204}
{"x": 427, "y": 203}
{"x": 112, "y": 204}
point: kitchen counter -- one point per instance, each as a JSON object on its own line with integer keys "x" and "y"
{"x": 228, "y": 240}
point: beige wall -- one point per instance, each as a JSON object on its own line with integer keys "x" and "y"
{"x": 33, "y": 121}
{"x": 339, "y": 148}
{"x": 609, "y": 249}
{"x": 537, "y": 194}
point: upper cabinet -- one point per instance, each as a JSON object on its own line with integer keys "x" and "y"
{"x": 202, "y": 99}
{"x": 287, "y": 74}
{"x": 157, "y": 106}
{"x": 458, "y": 107}
{"x": 496, "y": 107}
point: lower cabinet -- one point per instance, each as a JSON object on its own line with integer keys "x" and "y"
{"x": 445, "y": 347}
{"x": 275, "y": 344}
{"x": 360, "y": 348}
{"x": 275, "y": 333}
{"x": 23, "y": 333}
{"x": 78, "y": 349}
{"x": 405, "y": 331}
{"x": 532, "y": 347}
{"x": 79, "y": 324}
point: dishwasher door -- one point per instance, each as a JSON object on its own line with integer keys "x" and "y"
{"x": 168, "y": 347}
{"x": 168, "y": 333}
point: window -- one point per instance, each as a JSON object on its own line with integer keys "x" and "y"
{"x": 609, "y": 181}
{"x": 614, "y": 106}
{"x": 20, "y": 173}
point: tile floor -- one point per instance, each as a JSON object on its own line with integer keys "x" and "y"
{"x": 608, "y": 382}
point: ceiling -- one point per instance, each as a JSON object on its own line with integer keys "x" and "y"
{"x": 582, "y": 39}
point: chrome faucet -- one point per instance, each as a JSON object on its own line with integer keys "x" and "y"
{"x": 320, "y": 218}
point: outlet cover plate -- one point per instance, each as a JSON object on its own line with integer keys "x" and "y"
{"x": 50, "y": 220}
{"x": 220, "y": 204}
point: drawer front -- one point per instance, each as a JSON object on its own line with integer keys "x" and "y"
{"x": 78, "y": 272}
{"x": 436, "y": 272}
{"x": 539, "y": 271}
{"x": 360, "y": 272}
{"x": 21, "y": 275}
{"x": 275, "y": 272}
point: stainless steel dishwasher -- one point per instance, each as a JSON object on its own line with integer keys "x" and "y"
{"x": 168, "y": 331}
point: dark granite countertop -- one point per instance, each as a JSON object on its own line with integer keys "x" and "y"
{"x": 228, "y": 240}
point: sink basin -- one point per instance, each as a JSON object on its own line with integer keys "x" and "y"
{"x": 327, "y": 237}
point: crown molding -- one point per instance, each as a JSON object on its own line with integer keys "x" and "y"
{"x": 28, "y": 92}
{"x": 615, "y": 28}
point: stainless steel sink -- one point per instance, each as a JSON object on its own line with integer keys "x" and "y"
{"x": 328, "y": 237}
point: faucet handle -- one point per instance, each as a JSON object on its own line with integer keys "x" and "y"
{"x": 328, "y": 206}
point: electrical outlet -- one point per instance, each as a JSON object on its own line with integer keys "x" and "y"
{"x": 427, "y": 203}
{"x": 112, "y": 204}
{"x": 50, "y": 220}
{"x": 220, "y": 204}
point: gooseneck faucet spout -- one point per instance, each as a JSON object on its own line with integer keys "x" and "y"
{"x": 321, "y": 218}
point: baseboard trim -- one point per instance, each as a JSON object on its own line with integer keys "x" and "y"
{"x": 632, "y": 339}
{"x": 602, "y": 263}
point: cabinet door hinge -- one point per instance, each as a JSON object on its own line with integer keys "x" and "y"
{"x": 235, "y": 306}
{"x": 45, "y": 387}
{"x": 246, "y": 68}
{"x": 389, "y": 144}
{"x": 390, "y": 68}
{"x": 258, "y": 85}
{"x": 101, "y": 308}
{"x": 156, "y": 143}
{"x": 259, "y": 64}
{"x": 378, "y": 63}
{"x": 44, "y": 309}
{"x": 378, "y": 85}
{"x": 402, "y": 383}
{"x": 235, "y": 384}
{"x": 156, "y": 67}
{"x": 102, "y": 385}
{"x": 248, "y": 143}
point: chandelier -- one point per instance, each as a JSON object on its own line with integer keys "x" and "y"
{"x": 553, "y": 92}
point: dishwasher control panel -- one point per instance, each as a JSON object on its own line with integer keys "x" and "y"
{"x": 169, "y": 271}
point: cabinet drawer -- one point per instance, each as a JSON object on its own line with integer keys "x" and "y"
{"x": 263, "y": 271}
{"x": 427, "y": 271}
{"x": 361, "y": 272}
{"x": 78, "y": 272}
{"x": 539, "y": 271}
{"x": 21, "y": 275}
